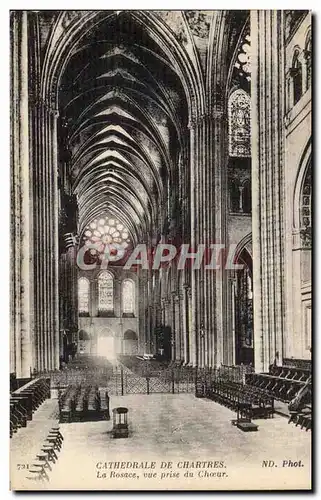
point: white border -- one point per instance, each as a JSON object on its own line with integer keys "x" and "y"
{"x": 5, "y": 189}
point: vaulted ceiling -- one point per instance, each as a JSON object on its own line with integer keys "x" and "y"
{"x": 123, "y": 113}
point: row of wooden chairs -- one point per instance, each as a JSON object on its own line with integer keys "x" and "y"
{"x": 48, "y": 455}
{"x": 25, "y": 401}
{"x": 302, "y": 418}
{"x": 250, "y": 401}
{"x": 290, "y": 372}
{"x": 18, "y": 415}
{"x": 84, "y": 403}
{"x": 67, "y": 403}
{"x": 281, "y": 388}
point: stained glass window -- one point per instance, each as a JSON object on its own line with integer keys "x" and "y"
{"x": 128, "y": 297}
{"x": 83, "y": 296}
{"x": 105, "y": 292}
{"x": 245, "y": 308}
{"x": 239, "y": 115}
{"x": 243, "y": 61}
{"x": 247, "y": 198}
{"x": 305, "y": 209}
{"x": 297, "y": 77}
{"x": 105, "y": 231}
{"x": 308, "y": 55}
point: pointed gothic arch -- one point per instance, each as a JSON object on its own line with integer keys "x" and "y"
{"x": 67, "y": 31}
{"x": 305, "y": 164}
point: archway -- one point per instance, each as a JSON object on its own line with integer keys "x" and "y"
{"x": 83, "y": 342}
{"x": 122, "y": 128}
{"x": 243, "y": 310}
{"x": 130, "y": 346}
{"x": 106, "y": 346}
{"x": 302, "y": 259}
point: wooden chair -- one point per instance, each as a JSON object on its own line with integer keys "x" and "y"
{"x": 54, "y": 442}
{"x": 49, "y": 449}
{"x": 56, "y": 430}
{"x": 38, "y": 469}
{"x": 55, "y": 435}
{"x": 35, "y": 474}
{"x": 44, "y": 457}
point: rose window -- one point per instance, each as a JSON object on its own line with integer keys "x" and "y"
{"x": 105, "y": 232}
{"x": 243, "y": 62}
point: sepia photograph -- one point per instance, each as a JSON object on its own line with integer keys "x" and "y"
{"x": 160, "y": 250}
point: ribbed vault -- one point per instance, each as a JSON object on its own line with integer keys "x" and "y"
{"x": 123, "y": 112}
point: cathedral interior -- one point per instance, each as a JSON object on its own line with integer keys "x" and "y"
{"x": 141, "y": 128}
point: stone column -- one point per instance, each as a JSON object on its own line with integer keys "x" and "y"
{"x": 178, "y": 332}
{"x": 166, "y": 312}
{"x": 149, "y": 307}
{"x": 185, "y": 322}
{"x": 22, "y": 321}
{"x": 163, "y": 311}
{"x": 173, "y": 326}
{"x": 267, "y": 92}
{"x": 217, "y": 200}
{"x": 194, "y": 198}
{"x": 207, "y": 227}
{"x": 241, "y": 189}
{"x": 74, "y": 282}
{"x": 43, "y": 171}
{"x": 69, "y": 288}
{"x": 93, "y": 304}
{"x": 142, "y": 305}
{"x": 55, "y": 240}
{"x": 50, "y": 245}
{"x": 118, "y": 308}
{"x": 230, "y": 355}
{"x": 156, "y": 305}
{"x": 43, "y": 126}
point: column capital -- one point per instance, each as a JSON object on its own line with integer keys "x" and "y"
{"x": 199, "y": 120}
{"x": 217, "y": 113}
{"x": 47, "y": 104}
{"x": 54, "y": 112}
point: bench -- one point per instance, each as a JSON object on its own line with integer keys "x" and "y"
{"x": 25, "y": 400}
{"x": 253, "y": 401}
{"x": 282, "y": 382}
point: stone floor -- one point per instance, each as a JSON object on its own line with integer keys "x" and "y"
{"x": 26, "y": 443}
{"x": 169, "y": 428}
